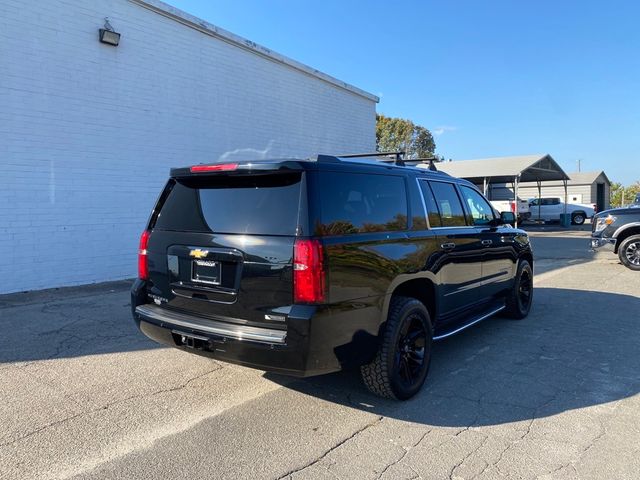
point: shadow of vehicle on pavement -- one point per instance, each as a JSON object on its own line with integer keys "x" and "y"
{"x": 576, "y": 349}
{"x": 72, "y": 323}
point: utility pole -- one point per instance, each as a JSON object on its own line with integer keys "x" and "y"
{"x": 579, "y": 162}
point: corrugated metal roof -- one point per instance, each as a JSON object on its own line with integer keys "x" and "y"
{"x": 530, "y": 168}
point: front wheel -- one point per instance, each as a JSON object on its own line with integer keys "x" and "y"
{"x": 401, "y": 364}
{"x": 629, "y": 252}
{"x": 518, "y": 303}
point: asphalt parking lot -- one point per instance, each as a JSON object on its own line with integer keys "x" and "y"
{"x": 555, "y": 396}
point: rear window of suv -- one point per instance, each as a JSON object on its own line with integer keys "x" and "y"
{"x": 245, "y": 204}
{"x": 359, "y": 203}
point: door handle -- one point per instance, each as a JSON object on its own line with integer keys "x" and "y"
{"x": 448, "y": 246}
{"x": 487, "y": 243}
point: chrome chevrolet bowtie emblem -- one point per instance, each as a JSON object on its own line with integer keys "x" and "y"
{"x": 198, "y": 253}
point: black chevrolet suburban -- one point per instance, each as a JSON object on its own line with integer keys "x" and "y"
{"x": 305, "y": 267}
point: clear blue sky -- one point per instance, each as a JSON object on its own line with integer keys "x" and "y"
{"x": 488, "y": 78}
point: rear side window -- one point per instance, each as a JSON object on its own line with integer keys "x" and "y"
{"x": 449, "y": 205}
{"x": 251, "y": 204}
{"x": 359, "y": 203}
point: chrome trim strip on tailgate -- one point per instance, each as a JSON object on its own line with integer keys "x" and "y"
{"x": 237, "y": 332}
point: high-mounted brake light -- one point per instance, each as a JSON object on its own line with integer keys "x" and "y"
{"x": 143, "y": 265}
{"x": 223, "y": 167}
{"x": 308, "y": 272}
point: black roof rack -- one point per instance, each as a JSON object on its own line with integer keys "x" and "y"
{"x": 430, "y": 160}
{"x": 398, "y": 158}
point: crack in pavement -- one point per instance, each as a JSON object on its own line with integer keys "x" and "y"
{"x": 107, "y": 406}
{"x": 528, "y": 431}
{"x": 571, "y": 463}
{"x": 466, "y": 457}
{"x": 338, "y": 445}
{"x": 404, "y": 454}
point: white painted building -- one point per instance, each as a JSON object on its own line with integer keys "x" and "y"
{"x": 88, "y": 131}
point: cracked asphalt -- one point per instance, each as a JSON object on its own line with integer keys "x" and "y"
{"x": 83, "y": 395}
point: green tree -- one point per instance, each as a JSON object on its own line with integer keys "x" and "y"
{"x": 393, "y": 134}
{"x": 621, "y": 195}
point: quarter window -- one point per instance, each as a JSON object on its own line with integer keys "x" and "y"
{"x": 360, "y": 203}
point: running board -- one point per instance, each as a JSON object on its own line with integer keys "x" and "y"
{"x": 467, "y": 325}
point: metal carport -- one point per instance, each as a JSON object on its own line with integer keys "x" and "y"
{"x": 515, "y": 170}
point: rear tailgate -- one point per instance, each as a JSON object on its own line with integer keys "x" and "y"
{"x": 523, "y": 206}
{"x": 222, "y": 244}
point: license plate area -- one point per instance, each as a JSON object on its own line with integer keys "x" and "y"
{"x": 208, "y": 272}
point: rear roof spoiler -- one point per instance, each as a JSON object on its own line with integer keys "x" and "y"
{"x": 253, "y": 166}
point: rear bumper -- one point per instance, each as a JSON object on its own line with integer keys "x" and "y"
{"x": 313, "y": 341}
{"x": 176, "y": 320}
{"x": 263, "y": 348}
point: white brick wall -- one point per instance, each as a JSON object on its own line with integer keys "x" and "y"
{"x": 88, "y": 131}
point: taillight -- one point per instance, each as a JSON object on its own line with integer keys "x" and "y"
{"x": 514, "y": 207}
{"x": 308, "y": 272}
{"x": 143, "y": 266}
{"x": 222, "y": 167}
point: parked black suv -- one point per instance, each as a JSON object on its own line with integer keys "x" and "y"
{"x": 619, "y": 231}
{"x": 306, "y": 267}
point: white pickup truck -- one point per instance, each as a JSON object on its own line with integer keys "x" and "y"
{"x": 523, "y": 212}
{"x": 550, "y": 208}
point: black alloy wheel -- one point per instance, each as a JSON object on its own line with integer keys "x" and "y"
{"x": 525, "y": 289}
{"x": 519, "y": 301}
{"x": 401, "y": 364}
{"x": 410, "y": 350}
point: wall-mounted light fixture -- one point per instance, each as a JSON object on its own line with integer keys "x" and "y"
{"x": 108, "y": 35}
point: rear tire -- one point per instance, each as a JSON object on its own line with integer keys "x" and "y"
{"x": 401, "y": 364}
{"x": 518, "y": 303}
{"x": 578, "y": 218}
{"x": 629, "y": 252}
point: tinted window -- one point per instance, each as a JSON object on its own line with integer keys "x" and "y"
{"x": 430, "y": 203}
{"x": 358, "y": 203}
{"x": 418, "y": 214}
{"x": 258, "y": 204}
{"x": 480, "y": 210}
{"x": 449, "y": 205}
